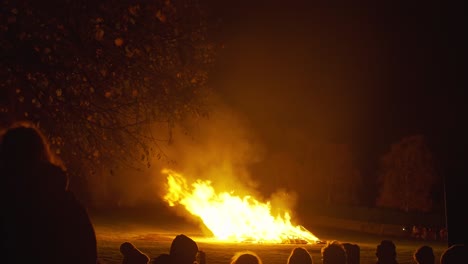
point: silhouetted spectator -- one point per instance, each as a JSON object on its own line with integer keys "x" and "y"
{"x": 183, "y": 250}
{"x": 386, "y": 252}
{"x": 246, "y": 257}
{"x": 162, "y": 259}
{"x": 431, "y": 234}
{"x": 424, "y": 232}
{"x": 41, "y": 219}
{"x": 333, "y": 253}
{"x": 416, "y": 231}
{"x": 353, "y": 253}
{"x": 299, "y": 255}
{"x": 424, "y": 255}
{"x": 201, "y": 257}
{"x": 457, "y": 253}
{"x": 443, "y": 234}
{"x": 132, "y": 255}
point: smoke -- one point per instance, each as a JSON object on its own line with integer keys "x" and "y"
{"x": 220, "y": 148}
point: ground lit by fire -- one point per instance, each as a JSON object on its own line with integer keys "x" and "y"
{"x": 233, "y": 218}
{"x": 153, "y": 235}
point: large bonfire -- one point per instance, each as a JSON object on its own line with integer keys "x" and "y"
{"x": 232, "y": 218}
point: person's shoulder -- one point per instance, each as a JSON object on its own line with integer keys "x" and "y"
{"x": 51, "y": 168}
{"x": 55, "y": 175}
{"x": 162, "y": 259}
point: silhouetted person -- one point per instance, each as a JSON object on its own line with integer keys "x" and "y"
{"x": 424, "y": 255}
{"x": 132, "y": 255}
{"x": 246, "y": 257}
{"x": 353, "y": 253}
{"x": 386, "y": 252}
{"x": 443, "y": 234}
{"x": 183, "y": 250}
{"x": 162, "y": 259}
{"x": 333, "y": 253}
{"x": 299, "y": 255}
{"x": 201, "y": 257}
{"x": 457, "y": 253}
{"x": 42, "y": 222}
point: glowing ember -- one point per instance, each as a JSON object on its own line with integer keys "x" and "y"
{"x": 232, "y": 218}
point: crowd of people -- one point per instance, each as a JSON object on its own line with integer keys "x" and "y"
{"x": 429, "y": 233}
{"x": 184, "y": 250}
{"x": 43, "y": 222}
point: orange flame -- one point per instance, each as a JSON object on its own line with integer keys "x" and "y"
{"x": 232, "y": 218}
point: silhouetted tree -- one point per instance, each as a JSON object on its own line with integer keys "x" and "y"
{"x": 101, "y": 76}
{"x": 407, "y": 176}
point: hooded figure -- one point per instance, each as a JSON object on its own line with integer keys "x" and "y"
{"x": 132, "y": 255}
{"x": 183, "y": 250}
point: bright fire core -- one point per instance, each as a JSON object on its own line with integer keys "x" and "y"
{"x": 232, "y": 218}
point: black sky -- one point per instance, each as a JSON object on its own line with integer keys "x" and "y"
{"x": 372, "y": 72}
{"x": 362, "y": 75}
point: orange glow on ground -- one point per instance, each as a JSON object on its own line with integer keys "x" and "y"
{"x": 232, "y": 218}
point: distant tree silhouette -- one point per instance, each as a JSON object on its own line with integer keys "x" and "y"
{"x": 407, "y": 176}
{"x": 99, "y": 76}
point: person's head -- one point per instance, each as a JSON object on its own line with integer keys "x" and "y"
{"x": 386, "y": 251}
{"x": 126, "y": 248}
{"x": 133, "y": 254}
{"x": 333, "y": 253}
{"x": 457, "y": 253}
{"x": 424, "y": 255}
{"x": 183, "y": 249}
{"x": 246, "y": 257}
{"x": 353, "y": 253}
{"x": 23, "y": 143}
{"x": 299, "y": 255}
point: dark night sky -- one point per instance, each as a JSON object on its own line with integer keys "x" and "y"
{"x": 366, "y": 76}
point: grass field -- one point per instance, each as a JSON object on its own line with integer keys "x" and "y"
{"x": 152, "y": 233}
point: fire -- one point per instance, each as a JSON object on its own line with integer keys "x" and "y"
{"x": 232, "y": 218}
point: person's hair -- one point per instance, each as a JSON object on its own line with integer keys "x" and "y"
{"x": 424, "y": 254}
{"x": 353, "y": 253}
{"x": 183, "y": 243}
{"x": 126, "y": 248}
{"x": 333, "y": 252}
{"x": 183, "y": 248}
{"x": 457, "y": 253}
{"x": 24, "y": 143}
{"x": 299, "y": 255}
{"x": 386, "y": 249}
{"x": 246, "y": 257}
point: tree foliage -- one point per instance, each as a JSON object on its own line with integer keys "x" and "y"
{"x": 407, "y": 176}
{"x": 99, "y": 76}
